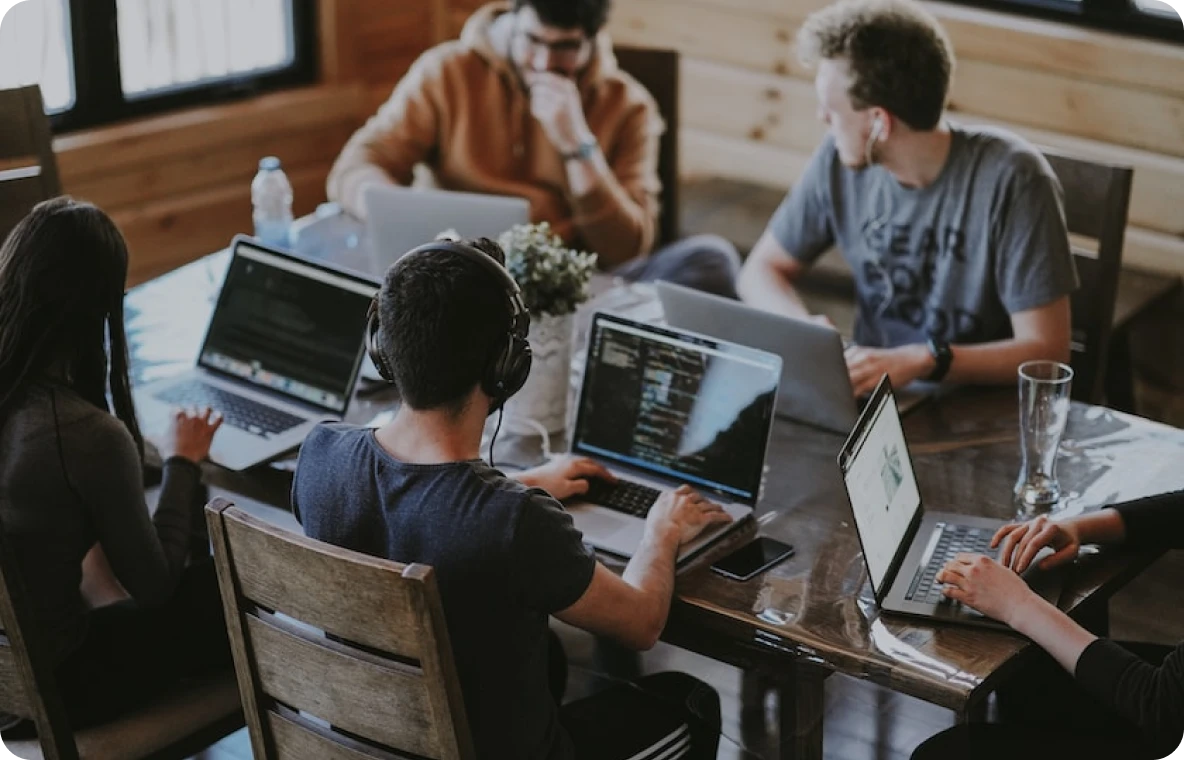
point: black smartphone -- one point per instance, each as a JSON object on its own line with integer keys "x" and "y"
{"x": 752, "y": 559}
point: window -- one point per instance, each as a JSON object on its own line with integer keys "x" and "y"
{"x": 99, "y": 61}
{"x": 1148, "y": 18}
{"x": 35, "y": 49}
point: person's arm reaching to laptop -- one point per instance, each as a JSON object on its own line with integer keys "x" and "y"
{"x": 1151, "y": 697}
{"x": 767, "y": 279}
{"x": 798, "y": 233}
{"x": 564, "y": 476}
{"x": 1040, "y": 333}
{"x": 632, "y": 608}
{"x": 388, "y": 146}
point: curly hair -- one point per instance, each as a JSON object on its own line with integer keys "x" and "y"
{"x": 900, "y": 57}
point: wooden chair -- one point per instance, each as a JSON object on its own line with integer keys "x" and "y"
{"x": 657, "y": 71}
{"x": 1097, "y": 197}
{"x": 180, "y": 725}
{"x": 28, "y": 169}
{"x": 339, "y": 655}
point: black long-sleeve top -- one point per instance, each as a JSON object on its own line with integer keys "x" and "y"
{"x": 70, "y": 476}
{"x": 1150, "y": 697}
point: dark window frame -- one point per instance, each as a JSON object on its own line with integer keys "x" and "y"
{"x": 98, "y": 85}
{"x": 1119, "y": 16}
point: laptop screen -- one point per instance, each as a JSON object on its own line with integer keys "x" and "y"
{"x": 880, "y": 484}
{"x": 677, "y": 405}
{"x": 288, "y": 326}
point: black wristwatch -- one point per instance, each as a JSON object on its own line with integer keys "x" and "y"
{"x": 943, "y": 356}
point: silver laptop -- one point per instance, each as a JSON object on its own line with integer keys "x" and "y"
{"x": 281, "y": 353}
{"x": 661, "y": 408}
{"x": 904, "y": 545}
{"x": 815, "y": 385}
{"x": 401, "y": 218}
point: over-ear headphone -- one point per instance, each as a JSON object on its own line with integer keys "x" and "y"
{"x": 509, "y": 366}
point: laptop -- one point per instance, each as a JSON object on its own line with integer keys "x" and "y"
{"x": 904, "y": 545}
{"x": 281, "y": 354}
{"x": 401, "y": 218}
{"x": 662, "y": 408}
{"x": 815, "y": 385}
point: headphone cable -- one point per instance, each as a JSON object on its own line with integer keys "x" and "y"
{"x": 492, "y": 441}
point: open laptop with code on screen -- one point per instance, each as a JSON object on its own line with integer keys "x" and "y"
{"x": 282, "y": 352}
{"x": 661, "y": 408}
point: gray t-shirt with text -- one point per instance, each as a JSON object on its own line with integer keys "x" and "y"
{"x": 952, "y": 260}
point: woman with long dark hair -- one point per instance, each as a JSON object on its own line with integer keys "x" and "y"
{"x": 71, "y": 474}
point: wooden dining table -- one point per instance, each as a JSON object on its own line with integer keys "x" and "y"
{"x": 814, "y": 614}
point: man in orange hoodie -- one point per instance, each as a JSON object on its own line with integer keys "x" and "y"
{"x": 530, "y": 102}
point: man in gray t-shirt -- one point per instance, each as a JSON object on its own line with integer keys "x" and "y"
{"x": 956, "y": 236}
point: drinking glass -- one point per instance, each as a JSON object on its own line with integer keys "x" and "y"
{"x": 1044, "y": 409}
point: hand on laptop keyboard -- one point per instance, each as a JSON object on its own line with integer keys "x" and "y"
{"x": 566, "y": 476}
{"x": 985, "y": 585}
{"x": 1019, "y": 543}
{"x": 190, "y": 433}
{"x": 683, "y": 513}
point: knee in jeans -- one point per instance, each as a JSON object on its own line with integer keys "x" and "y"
{"x": 706, "y": 247}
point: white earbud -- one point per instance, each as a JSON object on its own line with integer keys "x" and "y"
{"x": 877, "y": 128}
{"x": 877, "y": 131}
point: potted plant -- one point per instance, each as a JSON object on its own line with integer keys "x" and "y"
{"x": 554, "y": 281}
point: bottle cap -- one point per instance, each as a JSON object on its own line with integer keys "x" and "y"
{"x": 269, "y": 164}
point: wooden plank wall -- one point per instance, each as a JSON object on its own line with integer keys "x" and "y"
{"x": 178, "y": 184}
{"x": 749, "y": 108}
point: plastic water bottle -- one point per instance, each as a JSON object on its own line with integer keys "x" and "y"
{"x": 271, "y": 195}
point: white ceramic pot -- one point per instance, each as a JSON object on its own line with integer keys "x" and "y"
{"x": 543, "y": 399}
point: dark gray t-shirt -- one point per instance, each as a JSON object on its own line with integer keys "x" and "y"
{"x": 505, "y": 557}
{"x": 952, "y": 260}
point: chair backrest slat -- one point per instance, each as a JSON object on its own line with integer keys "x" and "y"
{"x": 338, "y": 654}
{"x": 386, "y": 702}
{"x": 326, "y": 593}
{"x": 1096, "y": 200}
{"x": 298, "y": 739}
{"x": 12, "y": 688}
{"x": 28, "y": 168}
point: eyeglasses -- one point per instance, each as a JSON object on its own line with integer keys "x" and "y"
{"x": 567, "y": 48}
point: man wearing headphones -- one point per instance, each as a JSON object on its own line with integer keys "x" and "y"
{"x": 449, "y": 329}
{"x": 956, "y": 235}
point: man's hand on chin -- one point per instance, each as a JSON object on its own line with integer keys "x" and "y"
{"x": 555, "y": 104}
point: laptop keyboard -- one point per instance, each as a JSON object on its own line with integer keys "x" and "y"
{"x": 242, "y": 413}
{"x": 955, "y": 540}
{"x": 623, "y": 496}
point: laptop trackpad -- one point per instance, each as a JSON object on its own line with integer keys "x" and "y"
{"x": 601, "y": 524}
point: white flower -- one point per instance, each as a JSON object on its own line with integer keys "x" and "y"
{"x": 553, "y": 278}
